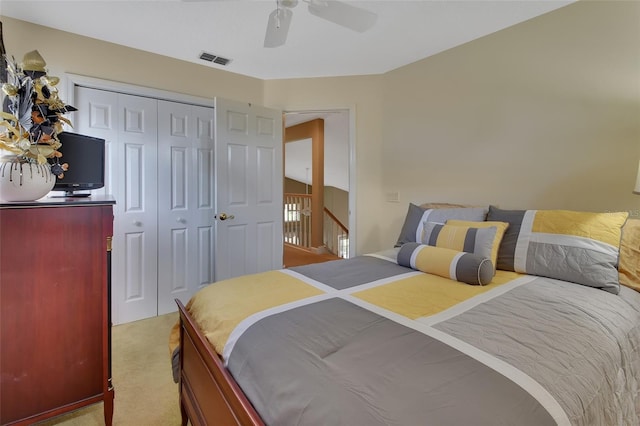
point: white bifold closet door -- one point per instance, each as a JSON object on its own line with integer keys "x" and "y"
{"x": 160, "y": 169}
{"x": 186, "y": 202}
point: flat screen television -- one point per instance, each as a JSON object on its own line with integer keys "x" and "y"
{"x": 85, "y": 156}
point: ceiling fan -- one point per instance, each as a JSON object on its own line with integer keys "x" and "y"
{"x": 343, "y": 14}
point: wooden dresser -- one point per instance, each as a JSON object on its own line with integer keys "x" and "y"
{"x": 55, "y": 307}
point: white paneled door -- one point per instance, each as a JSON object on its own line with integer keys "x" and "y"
{"x": 186, "y": 224}
{"x": 129, "y": 124}
{"x": 249, "y": 185}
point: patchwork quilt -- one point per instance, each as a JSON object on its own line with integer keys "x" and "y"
{"x": 367, "y": 341}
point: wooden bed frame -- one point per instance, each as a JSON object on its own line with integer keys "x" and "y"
{"x": 209, "y": 395}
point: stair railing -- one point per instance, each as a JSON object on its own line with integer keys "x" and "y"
{"x": 297, "y": 226}
{"x": 297, "y": 219}
{"x": 336, "y": 235}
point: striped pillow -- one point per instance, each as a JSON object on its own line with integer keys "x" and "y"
{"x": 416, "y": 215}
{"x": 469, "y": 239}
{"x": 456, "y": 265}
{"x": 580, "y": 247}
{"x": 501, "y": 227}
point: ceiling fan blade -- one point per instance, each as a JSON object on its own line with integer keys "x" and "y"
{"x": 343, "y": 14}
{"x": 278, "y": 27}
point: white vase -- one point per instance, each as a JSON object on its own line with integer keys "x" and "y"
{"x": 24, "y": 181}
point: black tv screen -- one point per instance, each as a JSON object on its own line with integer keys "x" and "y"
{"x": 85, "y": 156}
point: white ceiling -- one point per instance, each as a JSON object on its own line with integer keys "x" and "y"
{"x": 404, "y": 32}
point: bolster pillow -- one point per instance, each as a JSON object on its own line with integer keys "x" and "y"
{"x": 448, "y": 263}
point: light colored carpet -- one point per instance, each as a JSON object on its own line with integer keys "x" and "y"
{"x": 145, "y": 394}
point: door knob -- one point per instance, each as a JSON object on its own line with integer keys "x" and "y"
{"x": 224, "y": 216}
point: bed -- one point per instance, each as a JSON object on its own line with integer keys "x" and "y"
{"x": 477, "y": 316}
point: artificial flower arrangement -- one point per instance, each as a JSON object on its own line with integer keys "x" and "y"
{"x": 32, "y": 115}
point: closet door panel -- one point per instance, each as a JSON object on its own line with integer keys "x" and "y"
{"x": 179, "y": 166}
{"x": 185, "y": 195}
{"x": 135, "y": 161}
{"x": 205, "y": 255}
{"x": 205, "y": 195}
{"x": 179, "y": 260}
{"x": 175, "y": 182}
{"x": 204, "y": 208}
{"x": 129, "y": 126}
{"x": 133, "y": 269}
{"x": 98, "y": 116}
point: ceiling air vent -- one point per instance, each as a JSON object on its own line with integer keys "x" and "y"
{"x": 210, "y": 57}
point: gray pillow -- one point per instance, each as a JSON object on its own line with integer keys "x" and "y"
{"x": 411, "y": 222}
{"x": 507, "y": 250}
{"x": 580, "y": 247}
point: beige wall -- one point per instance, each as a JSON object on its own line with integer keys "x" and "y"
{"x": 337, "y": 201}
{"x": 293, "y": 186}
{"x": 545, "y": 114}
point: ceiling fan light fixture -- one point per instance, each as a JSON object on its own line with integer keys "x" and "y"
{"x": 340, "y": 13}
{"x": 278, "y": 27}
{"x": 343, "y": 14}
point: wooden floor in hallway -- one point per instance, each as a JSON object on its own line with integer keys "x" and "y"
{"x": 295, "y": 256}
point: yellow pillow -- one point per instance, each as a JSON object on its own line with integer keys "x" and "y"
{"x": 629, "y": 265}
{"x": 501, "y": 227}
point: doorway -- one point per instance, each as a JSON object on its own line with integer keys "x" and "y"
{"x": 338, "y": 188}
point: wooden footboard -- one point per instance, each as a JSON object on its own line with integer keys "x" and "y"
{"x": 208, "y": 393}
